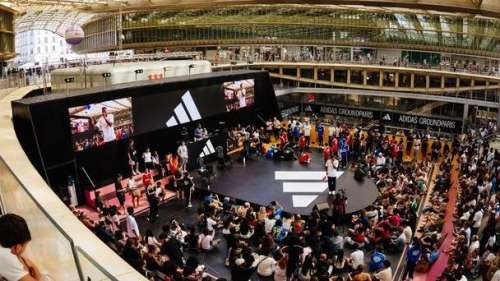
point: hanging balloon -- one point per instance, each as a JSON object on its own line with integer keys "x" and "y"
{"x": 74, "y": 35}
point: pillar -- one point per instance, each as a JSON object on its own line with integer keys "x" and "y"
{"x": 465, "y": 116}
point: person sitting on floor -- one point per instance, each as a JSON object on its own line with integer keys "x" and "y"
{"x": 304, "y": 158}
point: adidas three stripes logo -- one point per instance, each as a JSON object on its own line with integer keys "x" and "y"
{"x": 186, "y": 111}
{"x": 208, "y": 149}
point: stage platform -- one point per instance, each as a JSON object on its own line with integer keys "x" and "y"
{"x": 143, "y": 206}
{"x": 296, "y": 187}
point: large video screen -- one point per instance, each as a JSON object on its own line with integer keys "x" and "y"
{"x": 239, "y": 94}
{"x": 177, "y": 107}
{"x": 93, "y": 125}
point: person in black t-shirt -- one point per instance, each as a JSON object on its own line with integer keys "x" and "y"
{"x": 153, "y": 203}
{"x": 294, "y": 252}
{"x": 187, "y": 184}
{"x": 120, "y": 190}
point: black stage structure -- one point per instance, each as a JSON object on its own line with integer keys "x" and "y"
{"x": 296, "y": 187}
{"x": 156, "y": 114}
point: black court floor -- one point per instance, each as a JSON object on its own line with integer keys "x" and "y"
{"x": 296, "y": 187}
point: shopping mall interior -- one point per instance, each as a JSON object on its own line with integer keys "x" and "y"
{"x": 217, "y": 140}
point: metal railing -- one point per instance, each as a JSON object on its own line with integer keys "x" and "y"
{"x": 52, "y": 248}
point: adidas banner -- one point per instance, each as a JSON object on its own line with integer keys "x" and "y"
{"x": 173, "y": 108}
{"x": 421, "y": 122}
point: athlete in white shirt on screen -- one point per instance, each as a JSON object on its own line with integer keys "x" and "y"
{"x": 242, "y": 93}
{"x": 105, "y": 123}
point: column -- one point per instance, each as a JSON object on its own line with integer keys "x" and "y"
{"x": 465, "y": 117}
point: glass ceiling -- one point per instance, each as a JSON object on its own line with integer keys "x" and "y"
{"x": 52, "y": 15}
{"x": 55, "y": 19}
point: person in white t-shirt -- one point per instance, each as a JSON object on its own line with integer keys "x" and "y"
{"x": 357, "y": 258}
{"x": 14, "y": 238}
{"x": 132, "y": 226}
{"x": 206, "y": 240}
{"x": 476, "y": 220}
{"x": 307, "y": 133}
{"x": 147, "y": 157}
{"x": 106, "y": 123}
{"x": 266, "y": 266}
{"x": 211, "y": 223}
{"x": 331, "y": 167}
{"x": 242, "y": 93}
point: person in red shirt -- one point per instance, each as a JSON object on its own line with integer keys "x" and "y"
{"x": 335, "y": 146}
{"x": 283, "y": 139}
{"x": 147, "y": 178}
{"x": 302, "y": 142}
{"x": 304, "y": 158}
{"x": 326, "y": 153}
{"x": 394, "y": 151}
{"x": 173, "y": 164}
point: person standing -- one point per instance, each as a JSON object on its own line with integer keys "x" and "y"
{"x": 14, "y": 238}
{"x": 132, "y": 159}
{"x": 331, "y": 131}
{"x": 416, "y": 148}
{"x": 182, "y": 151}
{"x": 344, "y": 152}
{"x": 409, "y": 143}
{"x": 147, "y": 178}
{"x": 153, "y": 202}
{"x": 135, "y": 191}
{"x": 132, "y": 226}
{"x": 331, "y": 166}
{"x": 147, "y": 157}
{"x": 320, "y": 130}
{"x": 187, "y": 185}
{"x": 412, "y": 257}
{"x": 120, "y": 190}
{"x": 276, "y": 127}
{"x": 307, "y": 133}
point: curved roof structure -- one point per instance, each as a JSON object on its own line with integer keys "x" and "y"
{"x": 51, "y": 18}
{"x": 490, "y": 8}
{"x": 285, "y": 24}
{"x": 52, "y": 15}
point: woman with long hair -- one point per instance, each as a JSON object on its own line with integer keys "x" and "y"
{"x": 339, "y": 263}
{"x": 307, "y": 269}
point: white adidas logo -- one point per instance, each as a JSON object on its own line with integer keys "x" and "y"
{"x": 386, "y": 117}
{"x": 208, "y": 149}
{"x": 184, "y": 112}
{"x": 303, "y": 182}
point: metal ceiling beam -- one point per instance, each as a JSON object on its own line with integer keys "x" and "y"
{"x": 490, "y": 8}
{"x": 388, "y": 94}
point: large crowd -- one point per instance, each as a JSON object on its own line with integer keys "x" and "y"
{"x": 327, "y": 244}
{"x": 268, "y": 242}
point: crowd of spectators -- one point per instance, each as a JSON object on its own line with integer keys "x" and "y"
{"x": 327, "y": 244}
{"x": 474, "y": 251}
